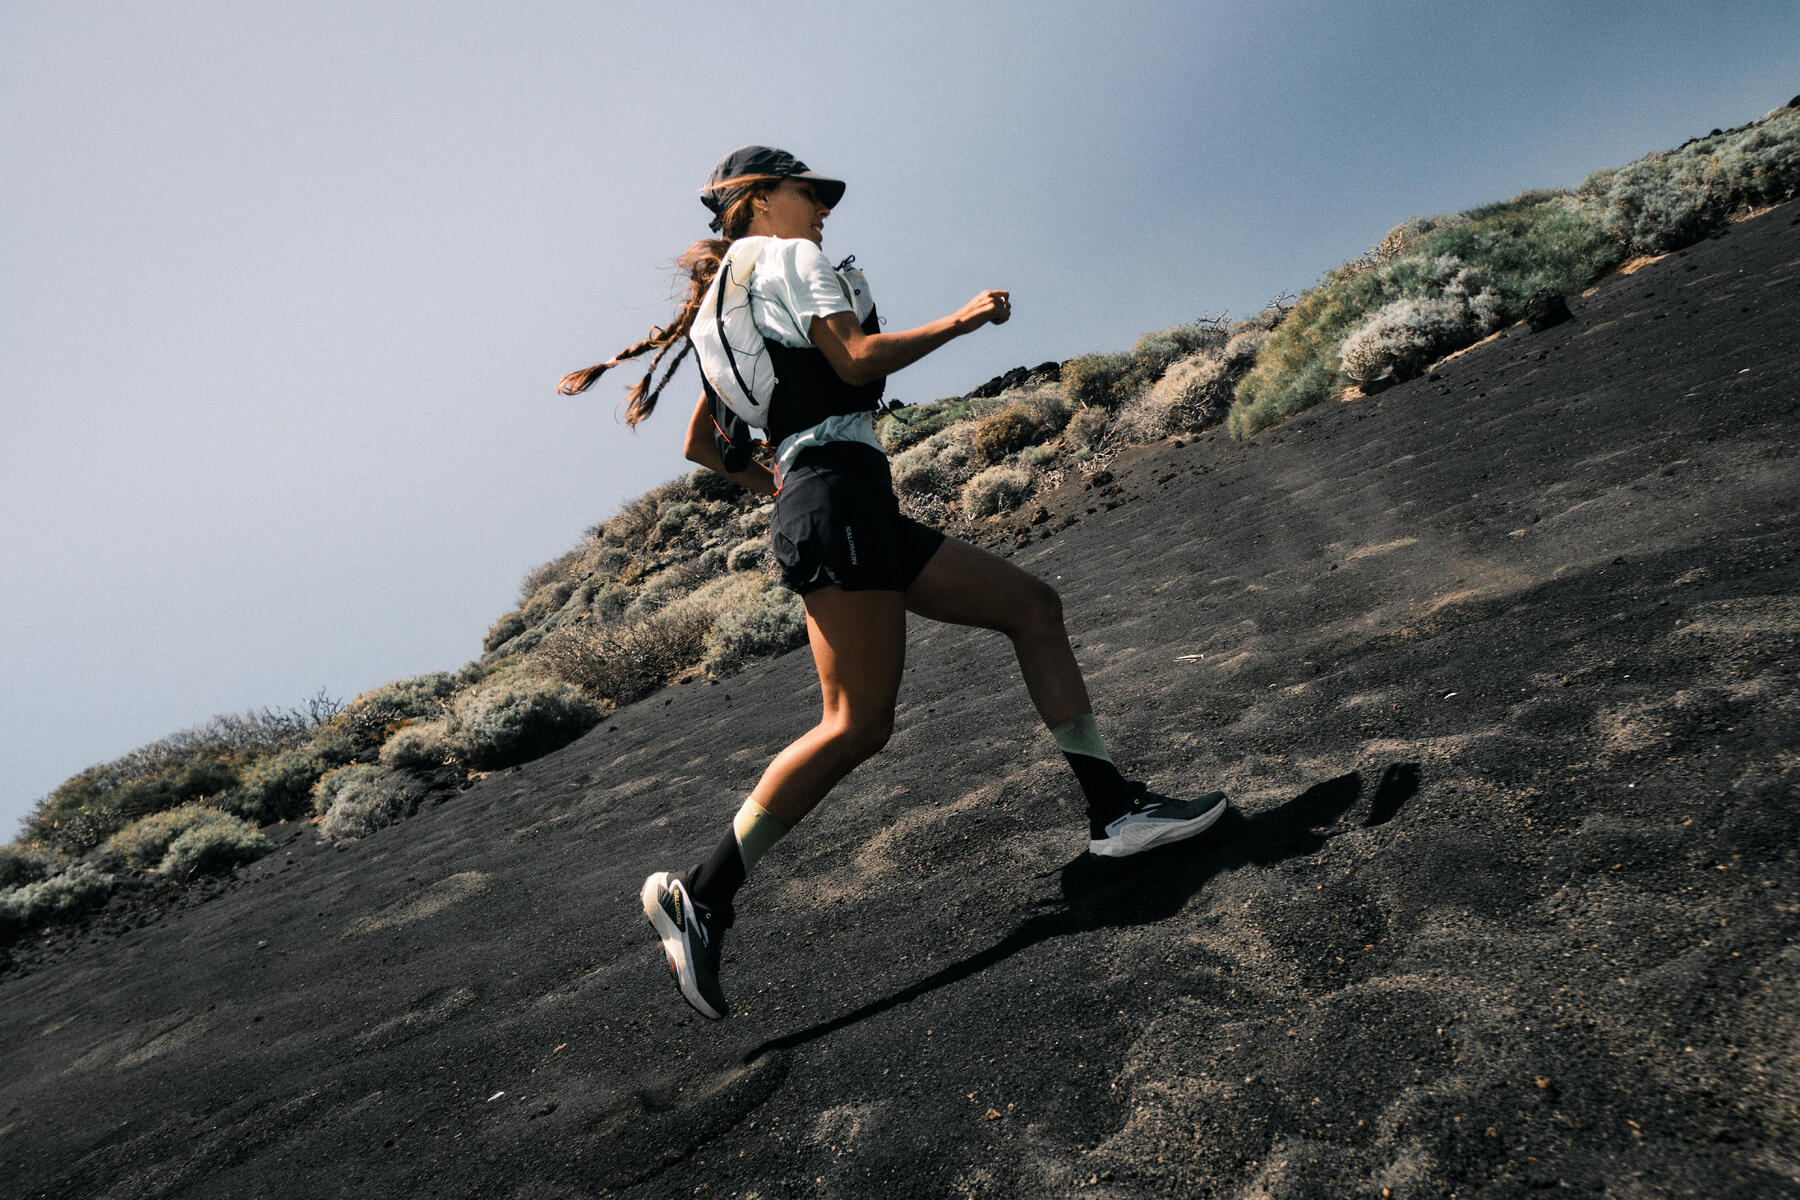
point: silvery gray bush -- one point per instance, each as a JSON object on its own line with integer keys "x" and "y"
{"x": 365, "y": 802}
{"x": 74, "y": 891}
{"x": 770, "y": 622}
{"x": 418, "y": 747}
{"x": 996, "y": 490}
{"x": 213, "y": 845}
{"x": 512, "y": 720}
{"x": 1401, "y": 338}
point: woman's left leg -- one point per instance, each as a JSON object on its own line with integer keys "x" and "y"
{"x": 964, "y": 585}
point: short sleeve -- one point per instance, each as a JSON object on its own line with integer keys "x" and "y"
{"x": 793, "y": 282}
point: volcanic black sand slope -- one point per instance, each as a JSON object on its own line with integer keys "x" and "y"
{"x": 1498, "y": 667}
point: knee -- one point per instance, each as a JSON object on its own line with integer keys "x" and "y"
{"x": 1040, "y": 610}
{"x": 862, "y": 735}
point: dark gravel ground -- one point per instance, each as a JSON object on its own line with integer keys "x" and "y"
{"x": 1499, "y": 668}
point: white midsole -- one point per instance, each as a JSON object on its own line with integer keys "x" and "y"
{"x": 1141, "y": 835}
{"x": 672, "y": 944}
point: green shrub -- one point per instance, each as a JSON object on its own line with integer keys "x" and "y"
{"x": 145, "y": 841}
{"x": 637, "y": 523}
{"x": 769, "y": 622}
{"x": 747, "y": 555}
{"x": 184, "y": 766}
{"x": 547, "y": 600}
{"x": 512, "y": 720}
{"x": 672, "y": 522}
{"x": 1097, "y": 380}
{"x": 20, "y": 865}
{"x": 600, "y": 560}
{"x": 503, "y": 631}
{"x": 215, "y": 843}
{"x": 1240, "y": 351}
{"x": 610, "y": 601}
{"x": 1666, "y": 201}
{"x": 712, "y": 561}
{"x": 651, "y": 599}
{"x": 1403, "y": 237}
{"x": 754, "y": 523}
{"x": 420, "y": 747}
{"x": 565, "y": 567}
{"x": 996, "y": 490}
{"x": 75, "y": 891}
{"x": 913, "y": 424}
{"x": 371, "y": 717}
{"x": 1156, "y": 352}
{"x": 1540, "y": 240}
{"x": 1534, "y": 241}
{"x": 1006, "y": 432}
{"x": 365, "y": 802}
{"x": 929, "y": 476}
{"x": 1087, "y": 428}
{"x": 1403, "y": 338}
{"x": 278, "y": 787}
{"x": 1115, "y": 380}
{"x": 1049, "y": 408}
{"x": 325, "y": 792}
{"x": 202, "y": 777}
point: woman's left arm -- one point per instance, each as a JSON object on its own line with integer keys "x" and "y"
{"x": 702, "y": 449}
{"x": 862, "y": 358}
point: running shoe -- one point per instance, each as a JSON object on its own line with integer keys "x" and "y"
{"x": 691, "y": 934}
{"x": 1154, "y": 820}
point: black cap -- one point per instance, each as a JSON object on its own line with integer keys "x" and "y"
{"x": 762, "y": 160}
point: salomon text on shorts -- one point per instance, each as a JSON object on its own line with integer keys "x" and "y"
{"x": 837, "y": 521}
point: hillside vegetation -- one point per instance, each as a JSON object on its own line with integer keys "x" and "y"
{"x": 678, "y": 587}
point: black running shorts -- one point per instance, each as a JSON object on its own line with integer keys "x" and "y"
{"x": 837, "y": 522}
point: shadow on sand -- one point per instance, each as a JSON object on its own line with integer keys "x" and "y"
{"x": 1101, "y": 893}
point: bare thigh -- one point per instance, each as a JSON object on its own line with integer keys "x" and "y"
{"x": 859, "y": 646}
{"x": 965, "y": 585}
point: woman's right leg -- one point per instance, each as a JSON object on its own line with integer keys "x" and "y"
{"x": 859, "y": 646}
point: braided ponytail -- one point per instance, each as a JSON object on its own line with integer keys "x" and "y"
{"x": 700, "y": 262}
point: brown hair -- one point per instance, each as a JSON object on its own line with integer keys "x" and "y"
{"x": 700, "y": 262}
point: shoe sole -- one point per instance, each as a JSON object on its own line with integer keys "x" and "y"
{"x": 1135, "y": 839}
{"x": 675, "y": 946}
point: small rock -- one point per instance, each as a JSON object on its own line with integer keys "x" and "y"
{"x": 1545, "y": 309}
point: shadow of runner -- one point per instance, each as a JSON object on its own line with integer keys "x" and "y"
{"x": 1101, "y": 893}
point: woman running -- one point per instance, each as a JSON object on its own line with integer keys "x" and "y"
{"x": 842, "y": 543}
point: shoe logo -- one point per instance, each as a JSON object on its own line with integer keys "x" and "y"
{"x": 680, "y": 916}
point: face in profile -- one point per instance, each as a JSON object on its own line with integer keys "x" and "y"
{"x": 793, "y": 210}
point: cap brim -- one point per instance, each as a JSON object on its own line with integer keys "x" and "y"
{"x": 829, "y": 191}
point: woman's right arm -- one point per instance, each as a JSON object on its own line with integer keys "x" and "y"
{"x": 702, "y": 449}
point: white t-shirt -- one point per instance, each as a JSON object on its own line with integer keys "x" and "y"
{"x": 791, "y": 283}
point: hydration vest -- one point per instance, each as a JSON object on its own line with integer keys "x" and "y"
{"x": 754, "y": 380}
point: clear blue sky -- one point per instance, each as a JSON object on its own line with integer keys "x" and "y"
{"x": 287, "y": 288}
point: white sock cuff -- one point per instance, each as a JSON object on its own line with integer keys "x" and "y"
{"x": 756, "y": 832}
{"x": 1080, "y": 735}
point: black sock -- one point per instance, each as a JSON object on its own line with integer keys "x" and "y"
{"x": 1108, "y": 793}
{"x": 715, "y": 881}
